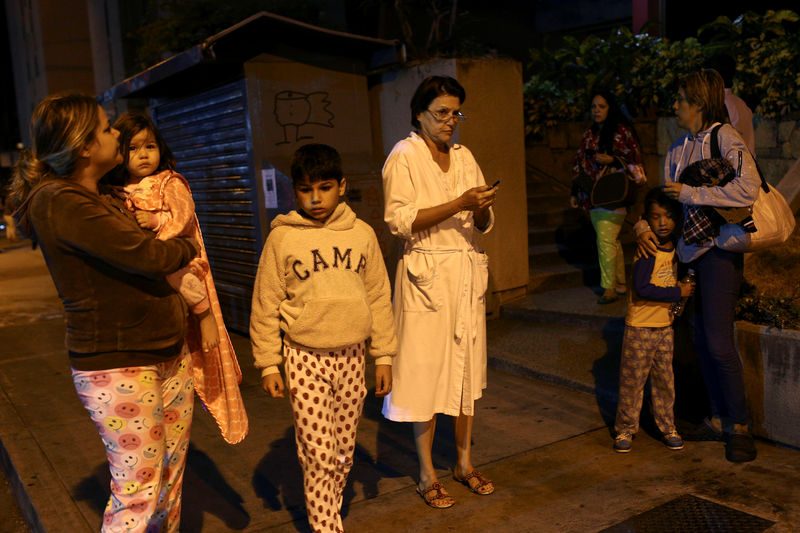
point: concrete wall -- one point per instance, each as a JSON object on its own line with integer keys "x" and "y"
{"x": 777, "y": 144}
{"x": 494, "y": 132}
{"x": 62, "y": 45}
{"x": 315, "y": 99}
{"x": 777, "y": 147}
{"x": 771, "y": 359}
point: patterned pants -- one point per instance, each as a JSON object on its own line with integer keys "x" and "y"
{"x": 327, "y": 392}
{"x": 607, "y": 225}
{"x": 646, "y": 351}
{"x": 143, "y": 415}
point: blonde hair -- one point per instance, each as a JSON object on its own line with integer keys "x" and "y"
{"x": 706, "y": 89}
{"x": 61, "y": 125}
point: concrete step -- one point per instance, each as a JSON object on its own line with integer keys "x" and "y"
{"x": 561, "y": 276}
{"x": 556, "y": 253}
{"x": 553, "y": 215}
{"x": 560, "y": 234}
{"x": 561, "y": 336}
{"x": 570, "y": 306}
{"x": 552, "y": 274}
{"x": 540, "y": 196}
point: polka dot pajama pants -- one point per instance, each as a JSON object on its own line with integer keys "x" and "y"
{"x": 143, "y": 415}
{"x": 327, "y": 392}
{"x": 607, "y": 225}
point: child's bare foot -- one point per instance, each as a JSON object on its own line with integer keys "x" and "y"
{"x": 209, "y": 333}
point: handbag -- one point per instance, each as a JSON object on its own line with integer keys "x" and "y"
{"x": 614, "y": 187}
{"x": 772, "y": 217}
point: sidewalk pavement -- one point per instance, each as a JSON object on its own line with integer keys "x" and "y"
{"x": 548, "y": 448}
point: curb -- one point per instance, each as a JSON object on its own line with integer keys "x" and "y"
{"x": 56, "y": 511}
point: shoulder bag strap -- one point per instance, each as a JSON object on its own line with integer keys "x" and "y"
{"x": 716, "y": 153}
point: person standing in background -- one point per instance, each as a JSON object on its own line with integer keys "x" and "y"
{"x": 610, "y": 137}
{"x": 739, "y": 113}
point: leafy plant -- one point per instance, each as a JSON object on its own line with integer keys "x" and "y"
{"x": 766, "y": 48}
{"x": 656, "y": 71}
{"x": 772, "y": 311}
{"x": 771, "y": 294}
{"x": 643, "y": 71}
{"x": 564, "y": 79}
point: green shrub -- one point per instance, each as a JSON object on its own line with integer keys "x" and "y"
{"x": 655, "y": 74}
{"x": 643, "y": 71}
{"x": 772, "y": 311}
{"x": 767, "y": 51}
{"x": 771, "y": 294}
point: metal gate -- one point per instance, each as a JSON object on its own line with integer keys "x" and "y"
{"x": 209, "y": 133}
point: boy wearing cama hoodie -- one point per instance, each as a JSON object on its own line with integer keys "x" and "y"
{"x": 321, "y": 302}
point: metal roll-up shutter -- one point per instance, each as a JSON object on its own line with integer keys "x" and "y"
{"x": 209, "y": 135}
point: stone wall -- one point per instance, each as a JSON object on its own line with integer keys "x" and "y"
{"x": 777, "y": 147}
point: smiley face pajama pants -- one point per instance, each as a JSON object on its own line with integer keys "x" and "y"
{"x": 144, "y": 416}
{"x": 327, "y": 392}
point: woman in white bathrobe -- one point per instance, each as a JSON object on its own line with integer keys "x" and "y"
{"x": 436, "y": 197}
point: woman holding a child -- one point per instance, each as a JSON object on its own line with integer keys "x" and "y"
{"x": 436, "y": 198}
{"x": 699, "y": 106}
{"x": 125, "y": 324}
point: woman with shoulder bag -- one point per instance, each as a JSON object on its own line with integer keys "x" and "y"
{"x": 610, "y": 136}
{"x": 699, "y": 106}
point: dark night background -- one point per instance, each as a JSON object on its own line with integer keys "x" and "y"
{"x": 500, "y": 27}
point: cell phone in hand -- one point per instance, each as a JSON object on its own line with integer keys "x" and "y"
{"x": 495, "y": 184}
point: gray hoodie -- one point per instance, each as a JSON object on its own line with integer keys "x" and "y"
{"x": 741, "y": 191}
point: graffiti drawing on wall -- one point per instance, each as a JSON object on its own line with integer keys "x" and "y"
{"x": 294, "y": 109}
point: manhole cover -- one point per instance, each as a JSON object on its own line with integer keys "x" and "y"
{"x": 690, "y": 514}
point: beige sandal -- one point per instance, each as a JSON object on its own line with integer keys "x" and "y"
{"x": 435, "y": 496}
{"x": 482, "y": 486}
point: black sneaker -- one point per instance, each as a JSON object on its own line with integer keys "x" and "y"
{"x": 740, "y": 448}
{"x": 703, "y": 431}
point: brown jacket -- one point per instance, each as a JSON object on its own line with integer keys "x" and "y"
{"x": 109, "y": 272}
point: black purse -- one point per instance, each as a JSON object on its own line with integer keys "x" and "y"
{"x": 615, "y": 187}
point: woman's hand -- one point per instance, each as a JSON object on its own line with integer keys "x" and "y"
{"x": 646, "y": 244}
{"x": 673, "y": 189}
{"x": 478, "y": 198}
{"x": 573, "y": 202}
{"x": 603, "y": 159}
{"x": 273, "y": 385}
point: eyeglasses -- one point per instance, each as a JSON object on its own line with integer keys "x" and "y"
{"x": 680, "y": 98}
{"x": 445, "y": 116}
